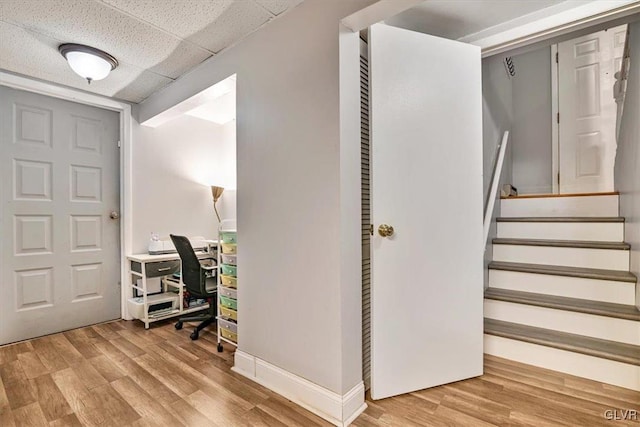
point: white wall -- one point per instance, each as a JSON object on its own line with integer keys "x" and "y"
{"x": 171, "y": 166}
{"x": 497, "y": 115}
{"x": 290, "y": 218}
{"x": 497, "y": 110}
{"x": 627, "y": 166}
{"x": 531, "y": 130}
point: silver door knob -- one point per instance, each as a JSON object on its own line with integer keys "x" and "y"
{"x": 114, "y": 215}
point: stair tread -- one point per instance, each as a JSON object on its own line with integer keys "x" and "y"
{"x": 590, "y": 219}
{"x": 612, "y": 350}
{"x": 562, "y": 243}
{"x": 554, "y": 196}
{"x": 609, "y": 309}
{"x": 556, "y": 270}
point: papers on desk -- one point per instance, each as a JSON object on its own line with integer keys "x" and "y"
{"x": 165, "y": 246}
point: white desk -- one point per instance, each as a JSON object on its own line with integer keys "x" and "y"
{"x": 145, "y": 266}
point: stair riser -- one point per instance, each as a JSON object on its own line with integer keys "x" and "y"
{"x": 591, "y": 206}
{"x": 590, "y": 325}
{"x": 608, "y": 259}
{"x": 572, "y": 287}
{"x": 581, "y": 365}
{"x": 584, "y": 231}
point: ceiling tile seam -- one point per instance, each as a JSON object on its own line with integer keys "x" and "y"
{"x": 273, "y": 15}
{"x": 31, "y": 30}
{"x": 155, "y": 90}
{"x": 221, "y": 51}
{"x": 241, "y": 39}
{"x": 144, "y": 21}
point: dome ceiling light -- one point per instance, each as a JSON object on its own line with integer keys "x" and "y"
{"x": 88, "y": 62}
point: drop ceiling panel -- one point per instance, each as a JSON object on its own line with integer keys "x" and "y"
{"x": 99, "y": 25}
{"x": 155, "y": 41}
{"x": 181, "y": 18}
{"x": 237, "y": 21}
{"x": 212, "y": 25}
{"x": 37, "y": 56}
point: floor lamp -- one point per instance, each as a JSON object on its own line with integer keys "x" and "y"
{"x": 216, "y": 192}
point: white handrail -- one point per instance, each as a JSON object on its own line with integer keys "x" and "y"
{"x": 495, "y": 183}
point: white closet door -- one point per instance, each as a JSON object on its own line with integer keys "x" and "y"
{"x": 426, "y": 144}
{"x": 59, "y": 248}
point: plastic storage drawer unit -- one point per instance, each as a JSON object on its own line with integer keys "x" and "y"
{"x": 228, "y": 236}
{"x": 229, "y": 270}
{"x": 229, "y": 281}
{"x": 229, "y": 335}
{"x": 230, "y": 326}
{"x": 229, "y": 248}
{"x": 228, "y": 292}
{"x": 228, "y": 302}
{"x": 229, "y": 259}
{"x": 227, "y": 312}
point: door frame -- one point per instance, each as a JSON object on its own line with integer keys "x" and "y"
{"x": 555, "y": 110}
{"x": 124, "y": 109}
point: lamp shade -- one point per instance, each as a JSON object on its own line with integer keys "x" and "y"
{"x": 216, "y": 192}
{"x": 88, "y": 62}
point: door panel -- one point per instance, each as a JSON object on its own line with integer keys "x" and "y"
{"x": 59, "y": 250}
{"x": 588, "y": 110}
{"x": 426, "y": 144}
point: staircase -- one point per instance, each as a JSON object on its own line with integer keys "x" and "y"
{"x": 560, "y": 293}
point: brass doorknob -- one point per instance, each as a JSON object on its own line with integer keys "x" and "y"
{"x": 385, "y": 230}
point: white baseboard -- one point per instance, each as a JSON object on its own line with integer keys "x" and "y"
{"x": 339, "y": 410}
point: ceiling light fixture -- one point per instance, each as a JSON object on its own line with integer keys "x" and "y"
{"x": 88, "y": 62}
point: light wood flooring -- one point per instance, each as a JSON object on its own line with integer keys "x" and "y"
{"x": 118, "y": 374}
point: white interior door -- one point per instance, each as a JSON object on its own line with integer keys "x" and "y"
{"x": 59, "y": 248}
{"x": 426, "y": 182}
{"x": 587, "y": 128}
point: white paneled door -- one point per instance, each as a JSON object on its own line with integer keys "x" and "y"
{"x": 426, "y": 183}
{"x": 587, "y": 128}
{"x": 59, "y": 246}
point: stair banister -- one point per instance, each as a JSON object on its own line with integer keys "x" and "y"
{"x": 495, "y": 183}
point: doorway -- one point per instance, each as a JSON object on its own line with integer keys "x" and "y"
{"x": 60, "y": 194}
{"x": 557, "y": 100}
{"x": 582, "y": 85}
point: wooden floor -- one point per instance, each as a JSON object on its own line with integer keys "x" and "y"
{"x": 118, "y": 374}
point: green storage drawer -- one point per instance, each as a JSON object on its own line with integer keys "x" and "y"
{"x": 228, "y": 302}
{"x": 228, "y": 236}
{"x": 229, "y": 270}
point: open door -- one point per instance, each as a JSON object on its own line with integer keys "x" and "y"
{"x": 426, "y": 144}
{"x": 587, "y": 110}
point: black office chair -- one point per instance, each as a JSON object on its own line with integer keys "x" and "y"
{"x": 199, "y": 280}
